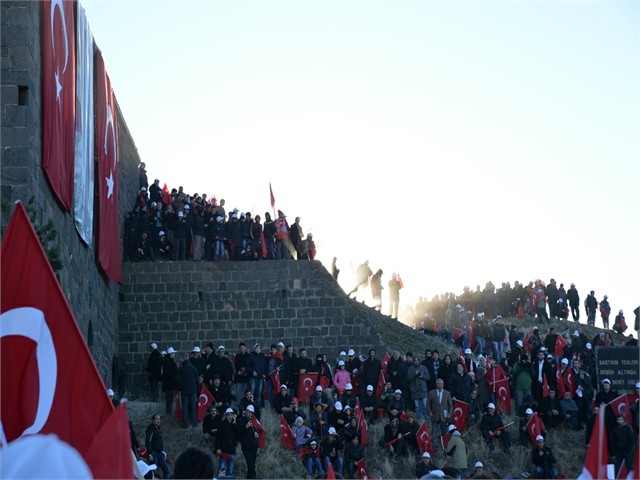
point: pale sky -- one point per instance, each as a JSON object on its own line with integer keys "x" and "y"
{"x": 452, "y": 142}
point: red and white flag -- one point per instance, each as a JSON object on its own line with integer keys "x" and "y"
{"x": 286, "y": 434}
{"x": 49, "y": 383}
{"x": 425, "y": 444}
{"x": 363, "y": 428}
{"x": 108, "y": 164}
{"x": 527, "y": 344}
{"x": 178, "y": 399}
{"x": 275, "y": 379}
{"x": 273, "y": 199}
{"x": 560, "y": 344}
{"x": 385, "y": 361}
{"x": 623, "y": 474}
{"x": 621, "y": 405}
{"x": 460, "y": 412}
{"x": 381, "y": 382}
{"x": 262, "y": 433}
{"x": 596, "y": 459}
{"x": 306, "y": 386}
{"x": 534, "y": 427}
{"x": 545, "y": 385}
{"x": 166, "y": 196}
{"x": 205, "y": 399}
{"x": 84, "y": 168}
{"x": 362, "y": 469}
{"x": 503, "y": 395}
{"x": 59, "y": 98}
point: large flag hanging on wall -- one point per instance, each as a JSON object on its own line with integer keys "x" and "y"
{"x": 107, "y": 152}
{"x": 83, "y": 188}
{"x": 49, "y": 383}
{"x": 58, "y": 97}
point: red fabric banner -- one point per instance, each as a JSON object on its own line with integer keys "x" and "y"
{"x": 545, "y": 386}
{"x": 460, "y": 411}
{"x": 286, "y": 435}
{"x": 205, "y": 399}
{"x": 596, "y": 460}
{"x": 621, "y": 405}
{"x": 176, "y": 398}
{"x": 381, "y": 382}
{"x": 166, "y": 196}
{"x": 262, "y": 433}
{"x": 306, "y": 386}
{"x": 503, "y": 395}
{"x": 385, "y": 361}
{"x": 425, "y": 444}
{"x": 560, "y": 344}
{"x": 59, "y": 98}
{"x": 49, "y": 383}
{"x": 362, "y": 469}
{"x": 363, "y": 427}
{"x": 108, "y": 163}
{"x": 534, "y": 427}
{"x": 275, "y": 380}
{"x": 273, "y": 199}
{"x": 331, "y": 475}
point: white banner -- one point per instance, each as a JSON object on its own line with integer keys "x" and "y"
{"x": 83, "y": 192}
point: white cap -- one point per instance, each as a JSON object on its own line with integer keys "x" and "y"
{"x": 451, "y": 428}
{"x": 369, "y": 388}
{"x": 161, "y": 233}
{"x": 145, "y": 467}
{"x": 398, "y": 391}
{"x": 352, "y": 352}
{"x": 478, "y": 465}
{"x": 542, "y": 349}
{"x": 318, "y": 388}
{"x": 196, "y": 349}
{"x": 220, "y": 347}
{"x": 348, "y": 387}
{"x": 347, "y": 407}
{"x": 180, "y": 214}
{"x": 468, "y": 351}
{"x": 343, "y": 354}
{"x": 229, "y": 410}
{"x": 313, "y": 442}
{"x": 589, "y": 346}
{"x": 519, "y": 343}
{"x": 491, "y": 405}
{"x": 638, "y": 385}
{"x": 528, "y": 411}
{"x": 539, "y": 437}
{"x": 110, "y": 392}
{"x": 283, "y": 387}
{"x": 606, "y": 380}
{"x": 338, "y": 405}
{"x": 575, "y": 333}
{"x": 340, "y": 363}
{"x": 426, "y": 455}
{"x": 251, "y": 409}
{"x": 565, "y": 361}
{"x": 170, "y": 350}
{"x": 163, "y": 352}
{"x": 154, "y": 346}
{"x": 332, "y": 431}
{"x": 280, "y": 344}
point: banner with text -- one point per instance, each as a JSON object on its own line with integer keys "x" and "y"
{"x": 620, "y": 365}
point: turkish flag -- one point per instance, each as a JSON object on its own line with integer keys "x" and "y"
{"x": 444, "y": 440}
{"x": 503, "y": 395}
{"x": 49, "y": 383}
{"x": 472, "y": 337}
{"x": 205, "y": 399}
{"x": 275, "y": 379}
{"x": 425, "y": 444}
{"x": 59, "y": 98}
{"x": 331, "y": 475}
{"x": 461, "y": 360}
{"x": 545, "y": 386}
{"x": 534, "y": 427}
{"x": 262, "y": 433}
{"x": 273, "y": 199}
{"x": 527, "y": 345}
{"x": 108, "y": 164}
{"x": 560, "y": 386}
{"x": 385, "y": 361}
{"x": 560, "y": 344}
{"x": 306, "y": 386}
{"x": 621, "y": 405}
{"x": 363, "y": 428}
{"x": 176, "y": 397}
{"x": 380, "y": 386}
{"x": 286, "y": 434}
{"x": 521, "y": 314}
{"x": 460, "y": 412}
{"x": 166, "y": 196}
{"x": 362, "y": 469}
{"x": 596, "y": 460}
{"x": 569, "y": 382}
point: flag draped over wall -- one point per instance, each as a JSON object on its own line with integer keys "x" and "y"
{"x": 58, "y": 98}
{"x": 49, "y": 381}
{"x": 107, "y": 145}
{"x": 83, "y": 188}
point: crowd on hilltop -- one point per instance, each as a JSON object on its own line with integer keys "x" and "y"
{"x": 328, "y": 421}
{"x": 173, "y": 225}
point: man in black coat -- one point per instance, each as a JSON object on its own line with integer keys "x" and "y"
{"x": 623, "y": 442}
{"x": 154, "y": 371}
{"x": 249, "y": 433}
{"x": 371, "y": 369}
{"x": 227, "y": 442}
{"x": 188, "y": 378}
{"x": 169, "y": 379}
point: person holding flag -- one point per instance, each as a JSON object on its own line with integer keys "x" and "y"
{"x": 250, "y": 433}
{"x": 491, "y": 427}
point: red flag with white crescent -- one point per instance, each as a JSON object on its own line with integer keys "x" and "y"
{"x": 177, "y": 399}
{"x": 275, "y": 380}
{"x": 381, "y": 382}
{"x": 286, "y": 434}
{"x": 460, "y": 411}
{"x": 363, "y": 428}
{"x": 526, "y": 343}
{"x": 596, "y": 460}
{"x": 560, "y": 387}
{"x": 534, "y": 427}
{"x": 503, "y": 395}
{"x": 262, "y": 433}
{"x": 425, "y": 444}
{"x": 545, "y": 386}
{"x": 385, "y": 361}
{"x": 362, "y": 469}
{"x": 621, "y": 405}
{"x": 108, "y": 165}
{"x": 59, "y": 98}
{"x": 461, "y": 360}
{"x": 444, "y": 440}
{"x": 49, "y": 383}
{"x": 306, "y": 386}
{"x": 205, "y": 399}
{"x": 560, "y": 344}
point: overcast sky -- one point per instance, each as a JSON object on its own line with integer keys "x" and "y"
{"x": 452, "y": 142}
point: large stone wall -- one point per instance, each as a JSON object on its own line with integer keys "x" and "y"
{"x": 183, "y": 304}
{"x": 93, "y": 298}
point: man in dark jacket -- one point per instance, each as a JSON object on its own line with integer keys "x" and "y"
{"x": 169, "y": 379}
{"x": 257, "y": 370}
{"x": 249, "y": 434}
{"x": 371, "y": 368}
{"x": 222, "y": 366}
{"x": 543, "y": 460}
{"x": 491, "y": 427}
{"x": 574, "y": 302}
{"x": 154, "y": 371}
{"x": 154, "y": 443}
{"x": 188, "y": 378}
{"x": 623, "y": 442}
{"x": 227, "y": 442}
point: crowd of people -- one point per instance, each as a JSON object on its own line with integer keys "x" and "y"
{"x": 173, "y": 225}
{"x": 558, "y": 387}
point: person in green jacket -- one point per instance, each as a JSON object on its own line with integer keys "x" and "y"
{"x": 456, "y": 449}
{"x": 522, "y": 376}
